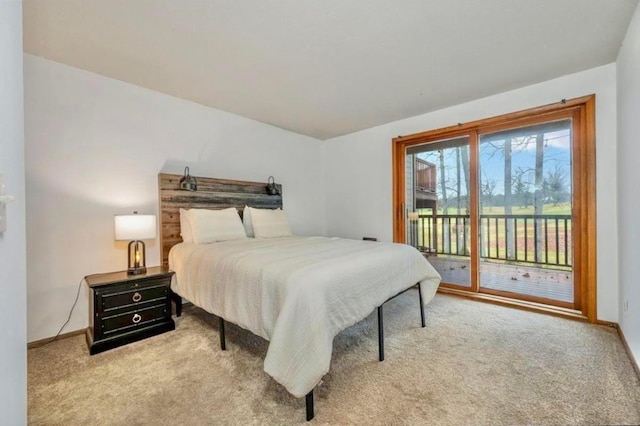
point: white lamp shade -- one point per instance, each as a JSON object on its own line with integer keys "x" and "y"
{"x": 135, "y": 227}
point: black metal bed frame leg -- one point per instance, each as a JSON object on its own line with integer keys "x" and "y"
{"x": 309, "y": 402}
{"x": 309, "y": 396}
{"x": 223, "y": 343}
{"x": 421, "y": 306}
{"x": 380, "y": 334}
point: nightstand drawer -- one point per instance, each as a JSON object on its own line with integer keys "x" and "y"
{"x": 133, "y": 319}
{"x": 132, "y": 296}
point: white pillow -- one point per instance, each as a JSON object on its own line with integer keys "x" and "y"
{"x": 246, "y": 221}
{"x": 210, "y": 226}
{"x": 185, "y": 226}
{"x": 270, "y": 223}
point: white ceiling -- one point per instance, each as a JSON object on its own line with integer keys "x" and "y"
{"x": 328, "y": 67}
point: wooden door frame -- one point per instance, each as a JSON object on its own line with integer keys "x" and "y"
{"x": 582, "y": 111}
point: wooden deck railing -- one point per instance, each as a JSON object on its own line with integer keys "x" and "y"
{"x": 532, "y": 239}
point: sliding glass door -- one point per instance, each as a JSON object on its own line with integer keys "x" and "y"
{"x": 493, "y": 205}
{"x": 438, "y": 183}
{"x": 526, "y": 223}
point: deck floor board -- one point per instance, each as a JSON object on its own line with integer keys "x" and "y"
{"x": 520, "y": 279}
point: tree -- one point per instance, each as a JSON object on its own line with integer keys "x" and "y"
{"x": 521, "y": 187}
{"x": 443, "y": 185}
{"x": 508, "y": 200}
{"x": 505, "y": 149}
{"x": 538, "y": 197}
{"x": 554, "y": 185}
{"x": 465, "y": 168}
{"x": 488, "y": 187}
{"x": 458, "y": 180}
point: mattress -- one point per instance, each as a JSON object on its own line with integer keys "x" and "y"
{"x": 297, "y": 292}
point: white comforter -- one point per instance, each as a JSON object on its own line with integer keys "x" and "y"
{"x": 297, "y": 292}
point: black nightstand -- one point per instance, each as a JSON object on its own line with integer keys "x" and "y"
{"x": 125, "y": 308}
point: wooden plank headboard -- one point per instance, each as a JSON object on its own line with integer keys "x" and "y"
{"x": 211, "y": 194}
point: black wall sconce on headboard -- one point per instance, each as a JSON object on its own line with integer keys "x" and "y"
{"x": 272, "y": 187}
{"x": 188, "y": 182}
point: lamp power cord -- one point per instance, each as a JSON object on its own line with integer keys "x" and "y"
{"x": 54, "y": 338}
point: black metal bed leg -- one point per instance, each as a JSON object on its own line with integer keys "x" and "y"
{"x": 421, "y": 306}
{"x": 380, "y": 334}
{"x": 309, "y": 402}
{"x": 223, "y": 343}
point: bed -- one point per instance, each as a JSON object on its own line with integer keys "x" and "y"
{"x": 298, "y": 293}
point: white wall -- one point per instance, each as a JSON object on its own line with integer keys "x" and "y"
{"x": 358, "y": 176}
{"x": 13, "y": 275}
{"x": 94, "y": 148}
{"x": 628, "y": 67}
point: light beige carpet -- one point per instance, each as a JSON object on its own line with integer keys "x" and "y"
{"x": 474, "y": 363}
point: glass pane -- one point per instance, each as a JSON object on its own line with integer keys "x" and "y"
{"x": 437, "y": 206}
{"x": 525, "y": 211}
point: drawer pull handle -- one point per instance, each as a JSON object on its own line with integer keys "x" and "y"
{"x": 136, "y": 318}
{"x": 137, "y": 297}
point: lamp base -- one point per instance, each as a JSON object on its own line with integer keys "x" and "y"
{"x": 137, "y": 271}
{"x": 136, "y": 260}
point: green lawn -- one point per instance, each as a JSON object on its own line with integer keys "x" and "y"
{"x": 564, "y": 208}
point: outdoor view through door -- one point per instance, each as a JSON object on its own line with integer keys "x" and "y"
{"x": 437, "y": 204}
{"x": 525, "y": 212}
{"x": 494, "y": 205}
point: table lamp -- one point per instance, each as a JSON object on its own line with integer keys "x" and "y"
{"x": 135, "y": 228}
